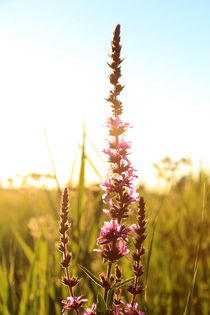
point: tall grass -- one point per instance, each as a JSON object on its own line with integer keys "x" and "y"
{"x": 29, "y": 263}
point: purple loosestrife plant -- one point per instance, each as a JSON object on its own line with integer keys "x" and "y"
{"x": 119, "y": 187}
{"x": 119, "y": 194}
{"x": 72, "y": 302}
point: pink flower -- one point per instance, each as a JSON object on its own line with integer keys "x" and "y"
{"x": 130, "y": 309}
{"x": 118, "y": 149}
{"x": 113, "y": 251}
{"x": 115, "y": 185}
{"x": 90, "y": 310}
{"x": 119, "y": 185}
{"x": 73, "y": 302}
{"x": 113, "y": 231}
{"x": 122, "y": 248}
{"x": 116, "y": 122}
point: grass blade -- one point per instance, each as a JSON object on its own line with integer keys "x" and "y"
{"x": 110, "y": 298}
{"x": 43, "y": 267}
{"x": 4, "y": 290}
{"x": 73, "y": 167}
{"x": 101, "y": 306}
{"x": 94, "y": 168}
{"x": 188, "y": 306}
{"x": 52, "y": 162}
{"x": 96, "y": 150}
{"x": 81, "y": 187}
{"x": 149, "y": 257}
{"x": 91, "y": 276}
{"x": 25, "y": 303}
{"x": 27, "y": 251}
{"x": 121, "y": 283}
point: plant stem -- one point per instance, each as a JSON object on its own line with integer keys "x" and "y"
{"x": 67, "y": 270}
{"x": 136, "y": 283}
{"x": 68, "y": 277}
{"x": 107, "y": 277}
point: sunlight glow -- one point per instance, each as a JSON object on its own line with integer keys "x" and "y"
{"x": 60, "y": 86}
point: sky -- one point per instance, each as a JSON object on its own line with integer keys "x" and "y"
{"x": 54, "y": 76}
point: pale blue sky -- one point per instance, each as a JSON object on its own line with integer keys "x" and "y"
{"x": 53, "y": 71}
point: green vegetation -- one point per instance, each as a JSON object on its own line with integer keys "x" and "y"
{"x": 177, "y": 263}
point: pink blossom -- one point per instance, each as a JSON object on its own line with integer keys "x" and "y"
{"x": 122, "y": 248}
{"x": 130, "y": 309}
{"x": 133, "y": 195}
{"x": 113, "y": 184}
{"x": 112, "y": 231}
{"x": 90, "y": 310}
{"x": 116, "y": 122}
{"x": 113, "y": 251}
{"x": 73, "y": 302}
{"x": 118, "y": 148}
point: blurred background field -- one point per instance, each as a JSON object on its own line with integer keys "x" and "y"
{"x": 30, "y": 270}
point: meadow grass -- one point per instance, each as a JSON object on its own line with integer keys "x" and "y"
{"x": 30, "y": 264}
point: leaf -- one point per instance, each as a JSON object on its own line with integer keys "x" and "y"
{"x": 52, "y": 204}
{"x": 28, "y": 284}
{"x": 12, "y": 298}
{"x": 110, "y": 298}
{"x": 121, "y": 283}
{"x": 28, "y": 252}
{"x": 92, "y": 276}
{"x": 94, "y": 168}
{"x": 149, "y": 256}
{"x": 43, "y": 267}
{"x": 101, "y": 306}
{"x": 3, "y": 286}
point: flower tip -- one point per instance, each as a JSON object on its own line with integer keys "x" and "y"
{"x": 117, "y": 26}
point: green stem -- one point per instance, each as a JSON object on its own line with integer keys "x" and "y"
{"x": 136, "y": 282}
{"x": 107, "y": 277}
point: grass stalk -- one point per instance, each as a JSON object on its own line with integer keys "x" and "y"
{"x": 189, "y": 303}
{"x": 52, "y": 162}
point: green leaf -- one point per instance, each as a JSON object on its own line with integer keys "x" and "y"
{"x": 28, "y": 252}
{"x": 12, "y": 298}
{"x": 30, "y": 281}
{"x": 101, "y": 305}
{"x": 4, "y": 291}
{"x": 149, "y": 257}
{"x": 121, "y": 283}
{"x": 43, "y": 267}
{"x": 91, "y": 276}
{"x": 110, "y": 298}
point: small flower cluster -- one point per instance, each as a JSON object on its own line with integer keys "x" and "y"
{"x": 129, "y": 309}
{"x": 112, "y": 240}
{"x": 73, "y": 302}
{"x": 119, "y": 194}
{"x": 119, "y": 187}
